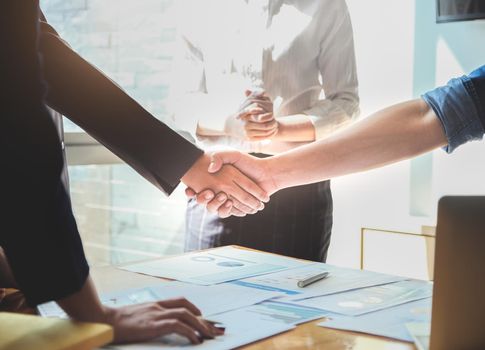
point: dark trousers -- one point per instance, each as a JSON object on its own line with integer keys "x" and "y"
{"x": 296, "y": 222}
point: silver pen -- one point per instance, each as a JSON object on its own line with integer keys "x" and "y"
{"x": 312, "y": 279}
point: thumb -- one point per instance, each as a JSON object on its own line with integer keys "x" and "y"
{"x": 218, "y": 159}
{"x": 248, "y": 93}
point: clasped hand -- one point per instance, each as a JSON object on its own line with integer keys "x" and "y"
{"x": 254, "y": 120}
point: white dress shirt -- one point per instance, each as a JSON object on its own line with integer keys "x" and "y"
{"x": 300, "y": 52}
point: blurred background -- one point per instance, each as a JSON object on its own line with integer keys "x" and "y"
{"x": 401, "y": 53}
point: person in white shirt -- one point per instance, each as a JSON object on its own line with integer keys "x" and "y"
{"x": 263, "y": 77}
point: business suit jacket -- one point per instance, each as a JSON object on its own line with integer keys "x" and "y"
{"x": 39, "y": 233}
{"x": 94, "y": 102}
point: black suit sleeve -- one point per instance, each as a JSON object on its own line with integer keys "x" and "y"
{"x": 39, "y": 233}
{"x": 94, "y": 102}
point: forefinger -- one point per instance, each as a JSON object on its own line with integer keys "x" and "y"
{"x": 178, "y": 303}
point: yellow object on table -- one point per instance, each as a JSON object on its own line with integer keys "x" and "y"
{"x": 26, "y": 332}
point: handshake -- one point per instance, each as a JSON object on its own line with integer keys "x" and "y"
{"x": 232, "y": 183}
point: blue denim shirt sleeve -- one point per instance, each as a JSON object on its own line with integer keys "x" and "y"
{"x": 458, "y": 107}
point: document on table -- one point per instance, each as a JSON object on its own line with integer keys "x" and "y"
{"x": 215, "y": 265}
{"x": 389, "y": 323}
{"x": 339, "y": 280}
{"x": 282, "y": 313}
{"x": 210, "y": 300}
{"x": 242, "y": 327}
{"x": 362, "y": 301}
{"x": 116, "y": 299}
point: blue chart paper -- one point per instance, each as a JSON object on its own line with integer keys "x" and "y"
{"x": 339, "y": 280}
{"x": 211, "y": 300}
{"x": 389, "y": 323}
{"x": 362, "y": 301}
{"x": 117, "y": 299}
{"x": 243, "y": 326}
{"x": 282, "y": 313}
{"x": 215, "y": 265}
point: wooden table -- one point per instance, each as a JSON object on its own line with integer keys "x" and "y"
{"x": 305, "y": 336}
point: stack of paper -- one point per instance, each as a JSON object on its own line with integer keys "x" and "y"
{"x": 255, "y": 295}
{"x": 244, "y": 312}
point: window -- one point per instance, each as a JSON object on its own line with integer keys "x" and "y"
{"x": 121, "y": 216}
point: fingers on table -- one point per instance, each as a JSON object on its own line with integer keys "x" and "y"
{"x": 178, "y": 303}
{"x": 189, "y": 319}
{"x": 165, "y": 327}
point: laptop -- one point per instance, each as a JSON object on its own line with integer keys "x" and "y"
{"x": 458, "y": 315}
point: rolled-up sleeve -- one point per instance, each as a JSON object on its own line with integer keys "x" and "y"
{"x": 458, "y": 108}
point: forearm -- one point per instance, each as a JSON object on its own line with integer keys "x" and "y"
{"x": 293, "y": 131}
{"x": 85, "y": 305}
{"x": 396, "y": 133}
{"x": 204, "y": 129}
{"x": 295, "y": 128}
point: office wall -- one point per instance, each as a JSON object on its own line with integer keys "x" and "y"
{"x": 401, "y": 53}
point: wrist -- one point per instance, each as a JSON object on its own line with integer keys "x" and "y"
{"x": 109, "y": 315}
{"x": 201, "y": 165}
{"x": 295, "y": 128}
{"x": 282, "y": 131}
{"x": 274, "y": 172}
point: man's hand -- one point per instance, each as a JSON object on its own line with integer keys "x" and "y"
{"x": 254, "y": 120}
{"x": 257, "y": 169}
{"x": 142, "y": 322}
{"x": 246, "y": 196}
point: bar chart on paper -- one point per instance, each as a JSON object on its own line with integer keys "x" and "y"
{"x": 284, "y": 313}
